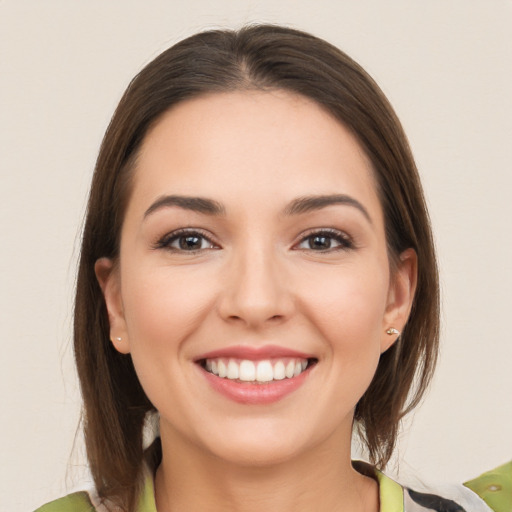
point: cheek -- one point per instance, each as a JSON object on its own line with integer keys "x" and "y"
{"x": 348, "y": 310}
{"x": 163, "y": 310}
{"x": 163, "y": 307}
{"x": 351, "y": 300}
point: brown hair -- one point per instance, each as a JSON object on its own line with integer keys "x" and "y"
{"x": 255, "y": 57}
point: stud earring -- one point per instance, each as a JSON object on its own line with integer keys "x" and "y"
{"x": 118, "y": 339}
{"x": 392, "y": 331}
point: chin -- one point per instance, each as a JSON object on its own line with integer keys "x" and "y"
{"x": 258, "y": 452}
{"x": 265, "y": 442}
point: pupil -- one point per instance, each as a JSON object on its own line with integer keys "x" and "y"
{"x": 190, "y": 242}
{"x": 320, "y": 242}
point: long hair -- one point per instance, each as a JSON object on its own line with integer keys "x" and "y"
{"x": 261, "y": 57}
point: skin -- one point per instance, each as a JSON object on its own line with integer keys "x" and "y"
{"x": 256, "y": 281}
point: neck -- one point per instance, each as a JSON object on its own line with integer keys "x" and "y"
{"x": 322, "y": 479}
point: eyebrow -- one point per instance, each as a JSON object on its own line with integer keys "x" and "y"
{"x": 296, "y": 207}
{"x": 317, "y": 202}
{"x": 195, "y": 204}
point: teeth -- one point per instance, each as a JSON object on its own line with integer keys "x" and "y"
{"x": 223, "y": 371}
{"x": 251, "y": 371}
{"x": 233, "y": 370}
{"x": 290, "y": 368}
{"x": 264, "y": 372}
{"x": 247, "y": 371}
{"x": 279, "y": 371}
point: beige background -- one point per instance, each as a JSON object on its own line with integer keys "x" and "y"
{"x": 446, "y": 65}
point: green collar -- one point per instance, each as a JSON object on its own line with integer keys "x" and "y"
{"x": 147, "y": 497}
{"x": 391, "y": 494}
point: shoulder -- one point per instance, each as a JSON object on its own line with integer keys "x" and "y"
{"x": 395, "y": 497}
{"x": 495, "y": 487}
{"x": 450, "y": 499}
{"x": 90, "y": 501}
{"x": 76, "y": 502}
{"x": 490, "y": 492}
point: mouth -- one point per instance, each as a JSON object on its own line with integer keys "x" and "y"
{"x": 255, "y": 375}
{"x": 257, "y": 371}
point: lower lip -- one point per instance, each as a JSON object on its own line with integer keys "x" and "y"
{"x": 255, "y": 394}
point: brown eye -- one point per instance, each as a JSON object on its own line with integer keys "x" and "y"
{"x": 190, "y": 242}
{"x": 319, "y": 242}
{"x": 326, "y": 241}
{"x": 185, "y": 241}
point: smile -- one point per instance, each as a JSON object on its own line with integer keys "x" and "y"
{"x": 246, "y": 370}
{"x": 255, "y": 375}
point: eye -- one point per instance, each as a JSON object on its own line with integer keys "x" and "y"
{"x": 186, "y": 240}
{"x": 325, "y": 240}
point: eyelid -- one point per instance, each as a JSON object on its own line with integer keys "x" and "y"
{"x": 164, "y": 242}
{"x": 345, "y": 241}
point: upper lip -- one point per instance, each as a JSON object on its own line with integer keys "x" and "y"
{"x": 253, "y": 353}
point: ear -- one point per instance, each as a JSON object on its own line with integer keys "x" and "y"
{"x": 107, "y": 274}
{"x": 402, "y": 288}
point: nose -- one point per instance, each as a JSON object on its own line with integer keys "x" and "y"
{"x": 256, "y": 291}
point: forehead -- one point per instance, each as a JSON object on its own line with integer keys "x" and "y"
{"x": 271, "y": 144}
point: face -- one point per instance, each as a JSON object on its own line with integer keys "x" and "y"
{"x": 253, "y": 289}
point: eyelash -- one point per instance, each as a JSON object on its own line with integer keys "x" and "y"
{"x": 344, "y": 241}
{"x": 167, "y": 240}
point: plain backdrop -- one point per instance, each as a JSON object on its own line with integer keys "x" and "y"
{"x": 446, "y": 66}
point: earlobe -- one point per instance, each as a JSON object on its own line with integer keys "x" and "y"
{"x": 401, "y": 292}
{"x": 107, "y": 274}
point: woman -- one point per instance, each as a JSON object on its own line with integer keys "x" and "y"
{"x": 257, "y": 267}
